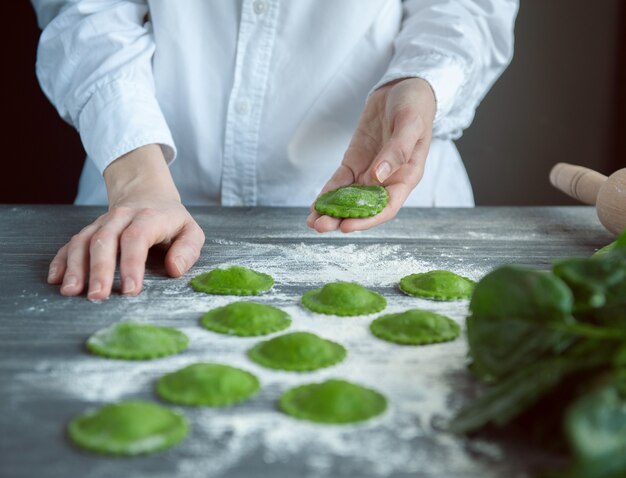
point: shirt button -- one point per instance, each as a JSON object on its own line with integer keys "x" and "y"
{"x": 260, "y": 7}
{"x": 242, "y": 107}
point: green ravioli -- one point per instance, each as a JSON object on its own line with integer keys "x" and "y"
{"x": 332, "y": 401}
{"x": 344, "y": 298}
{"x": 246, "y": 319}
{"x": 128, "y": 428}
{"x": 415, "y": 327}
{"x": 437, "y": 285}
{"x": 130, "y": 340}
{"x": 298, "y": 352}
{"x": 208, "y": 384}
{"x": 235, "y": 280}
{"x": 353, "y": 201}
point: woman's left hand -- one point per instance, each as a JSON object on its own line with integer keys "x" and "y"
{"x": 389, "y": 148}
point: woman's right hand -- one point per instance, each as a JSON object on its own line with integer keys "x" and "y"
{"x": 144, "y": 210}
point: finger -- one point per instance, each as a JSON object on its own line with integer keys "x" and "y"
{"x": 408, "y": 130}
{"x": 327, "y": 224}
{"x": 344, "y": 176}
{"x": 146, "y": 230}
{"x": 57, "y": 266}
{"x": 185, "y": 250}
{"x": 310, "y": 220}
{"x": 77, "y": 262}
{"x": 103, "y": 253}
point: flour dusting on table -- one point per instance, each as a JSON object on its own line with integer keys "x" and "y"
{"x": 371, "y": 265}
{"x": 421, "y": 383}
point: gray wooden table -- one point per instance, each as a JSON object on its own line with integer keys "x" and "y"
{"x": 46, "y": 376}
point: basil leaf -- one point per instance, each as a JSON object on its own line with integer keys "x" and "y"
{"x": 510, "y": 326}
{"x": 591, "y": 280}
{"x": 595, "y": 426}
{"x": 517, "y": 292}
{"x": 516, "y": 393}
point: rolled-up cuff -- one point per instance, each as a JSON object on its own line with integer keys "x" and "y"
{"x": 120, "y": 117}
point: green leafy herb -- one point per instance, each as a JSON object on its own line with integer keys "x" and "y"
{"x": 591, "y": 280}
{"x": 512, "y": 310}
{"x": 595, "y": 426}
{"x": 544, "y": 338}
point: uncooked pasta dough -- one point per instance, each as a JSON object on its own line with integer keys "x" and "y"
{"x": 246, "y": 319}
{"x": 131, "y": 340}
{"x": 207, "y": 384}
{"x": 234, "y": 280}
{"x": 344, "y": 298}
{"x": 437, "y": 285}
{"x": 298, "y": 352}
{"x": 415, "y": 327}
{"x": 128, "y": 428}
{"x": 333, "y": 401}
{"x": 353, "y": 201}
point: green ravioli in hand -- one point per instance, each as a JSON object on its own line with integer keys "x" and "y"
{"x": 130, "y": 340}
{"x": 128, "y": 428}
{"x": 235, "y": 280}
{"x": 208, "y": 384}
{"x": 333, "y": 401}
{"x": 437, "y": 285}
{"x": 344, "y": 298}
{"x": 246, "y": 319}
{"x": 415, "y": 327}
{"x": 298, "y": 352}
{"x": 353, "y": 201}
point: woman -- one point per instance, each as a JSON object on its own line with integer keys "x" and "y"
{"x": 257, "y": 100}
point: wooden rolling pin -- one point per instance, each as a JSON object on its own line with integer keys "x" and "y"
{"x": 591, "y": 187}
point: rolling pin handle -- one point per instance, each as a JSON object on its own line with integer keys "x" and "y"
{"x": 577, "y": 182}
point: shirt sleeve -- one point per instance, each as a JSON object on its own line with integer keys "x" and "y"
{"x": 460, "y": 47}
{"x": 94, "y": 63}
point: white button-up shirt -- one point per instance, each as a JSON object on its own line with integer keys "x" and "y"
{"x": 257, "y": 100}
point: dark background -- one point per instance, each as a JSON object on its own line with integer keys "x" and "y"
{"x": 562, "y": 99}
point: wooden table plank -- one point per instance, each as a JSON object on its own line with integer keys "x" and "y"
{"x": 47, "y": 377}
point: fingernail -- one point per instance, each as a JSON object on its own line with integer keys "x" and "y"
{"x": 70, "y": 281}
{"x": 94, "y": 288}
{"x": 180, "y": 265}
{"x": 129, "y": 286}
{"x": 382, "y": 171}
{"x": 52, "y": 273}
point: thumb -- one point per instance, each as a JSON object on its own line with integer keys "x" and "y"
{"x": 397, "y": 151}
{"x": 185, "y": 250}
